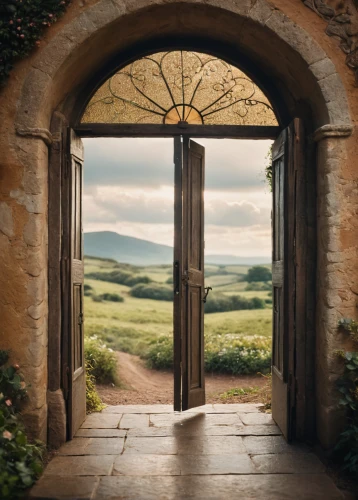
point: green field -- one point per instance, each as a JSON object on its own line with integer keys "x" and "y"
{"x": 134, "y": 324}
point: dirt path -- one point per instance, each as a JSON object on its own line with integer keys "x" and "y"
{"x": 139, "y": 385}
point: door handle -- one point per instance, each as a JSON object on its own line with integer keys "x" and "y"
{"x": 207, "y": 290}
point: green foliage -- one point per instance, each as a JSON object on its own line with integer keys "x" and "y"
{"x": 160, "y": 354}
{"x": 232, "y": 354}
{"x": 170, "y": 280}
{"x": 218, "y": 302}
{"x": 97, "y": 298}
{"x": 101, "y": 360}
{"x": 153, "y": 291}
{"x": 21, "y": 28}
{"x": 268, "y": 168}
{"x": 239, "y": 391}
{"x": 120, "y": 277}
{"x": 258, "y": 273}
{"x": 93, "y": 401}
{"x": 256, "y": 286}
{"x": 87, "y": 290}
{"x": 20, "y": 461}
{"x": 347, "y": 446}
{"x": 112, "y": 297}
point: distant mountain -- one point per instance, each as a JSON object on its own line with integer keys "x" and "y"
{"x": 126, "y": 249}
{"x": 109, "y": 244}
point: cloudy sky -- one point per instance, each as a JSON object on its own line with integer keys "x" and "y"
{"x": 129, "y": 188}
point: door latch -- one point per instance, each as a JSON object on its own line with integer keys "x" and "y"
{"x": 207, "y": 290}
{"x": 80, "y": 319}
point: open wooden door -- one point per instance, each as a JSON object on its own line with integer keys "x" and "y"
{"x": 287, "y": 152}
{"x": 189, "y": 379}
{"x": 75, "y": 348}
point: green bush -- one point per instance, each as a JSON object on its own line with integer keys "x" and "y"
{"x": 20, "y": 461}
{"x": 93, "y": 401}
{"x": 153, "y": 291}
{"x": 97, "y": 298}
{"x": 87, "y": 290}
{"x": 119, "y": 277}
{"x": 101, "y": 360}
{"x": 231, "y": 354}
{"x": 170, "y": 280}
{"x": 160, "y": 354}
{"x": 218, "y": 302}
{"x": 258, "y": 273}
{"x": 257, "y": 286}
{"x": 112, "y": 297}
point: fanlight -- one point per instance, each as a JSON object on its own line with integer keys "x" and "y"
{"x": 180, "y": 86}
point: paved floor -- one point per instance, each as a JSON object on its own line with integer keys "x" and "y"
{"x": 214, "y": 452}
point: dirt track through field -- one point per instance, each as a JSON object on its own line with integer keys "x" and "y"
{"x": 139, "y": 385}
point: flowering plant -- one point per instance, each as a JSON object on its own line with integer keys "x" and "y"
{"x": 20, "y": 462}
{"x": 22, "y": 23}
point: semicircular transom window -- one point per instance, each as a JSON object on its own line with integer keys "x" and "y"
{"x": 180, "y": 86}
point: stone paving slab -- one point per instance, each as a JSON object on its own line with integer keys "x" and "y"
{"x": 210, "y": 430}
{"x": 256, "y": 419}
{"x": 65, "y": 487}
{"x": 129, "y": 421}
{"x": 99, "y": 433}
{"x": 101, "y": 421}
{"x": 226, "y": 487}
{"x": 185, "y": 465}
{"x": 210, "y": 445}
{"x": 162, "y": 420}
{"x": 262, "y": 445}
{"x": 151, "y": 445}
{"x": 93, "y": 446}
{"x": 80, "y": 466}
{"x": 288, "y": 463}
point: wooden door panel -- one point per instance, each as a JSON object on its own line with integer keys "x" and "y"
{"x": 279, "y": 330}
{"x": 193, "y": 378}
{"x": 287, "y": 165}
{"x": 189, "y": 380}
{"x": 77, "y": 372}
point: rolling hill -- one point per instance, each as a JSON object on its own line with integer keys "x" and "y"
{"x": 109, "y": 244}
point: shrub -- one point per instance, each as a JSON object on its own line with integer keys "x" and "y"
{"x": 87, "y": 290}
{"x": 20, "y": 461}
{"x": 101, "y": 360}
{"x": 112, "y": 297}
{"x": 347, "y": 446}
{"x": 231, "y": 354}
{"x": 170, "y": 280}
{"x": 93, "y": 401}
{"x": 160, "y": 354}
{"x": 218, "y": 302}
{"x": 120, "y": 277}
{"x": 97, "y": 298}
{"x": 258, "y": 273}
{"x": 256, "y": 286}
{"x": 153, "y": 291}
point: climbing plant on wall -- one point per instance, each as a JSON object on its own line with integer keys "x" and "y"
{"x": 348, "y": 387}
{"x": 22, "y": 23}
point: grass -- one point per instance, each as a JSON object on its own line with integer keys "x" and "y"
{"x": 134, "y": 325}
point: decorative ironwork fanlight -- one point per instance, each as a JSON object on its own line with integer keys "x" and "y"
{"x": 180, "y": 86}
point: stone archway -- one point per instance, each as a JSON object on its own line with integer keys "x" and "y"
{"x": 303, "y": 77}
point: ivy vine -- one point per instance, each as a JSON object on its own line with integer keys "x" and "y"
{"x": 22, "y": 24}
{"x": 347, "y": 445}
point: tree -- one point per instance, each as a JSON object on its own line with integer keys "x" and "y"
{"x": 258, "y": 273}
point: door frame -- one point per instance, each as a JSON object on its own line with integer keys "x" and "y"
{"x": 304, "y": 314}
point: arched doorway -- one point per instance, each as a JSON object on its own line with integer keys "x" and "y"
{"x": 72, "y": 73}
{"x": 186, "y": 94}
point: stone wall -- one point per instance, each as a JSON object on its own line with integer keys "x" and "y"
{"x": 310, "y": 69}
